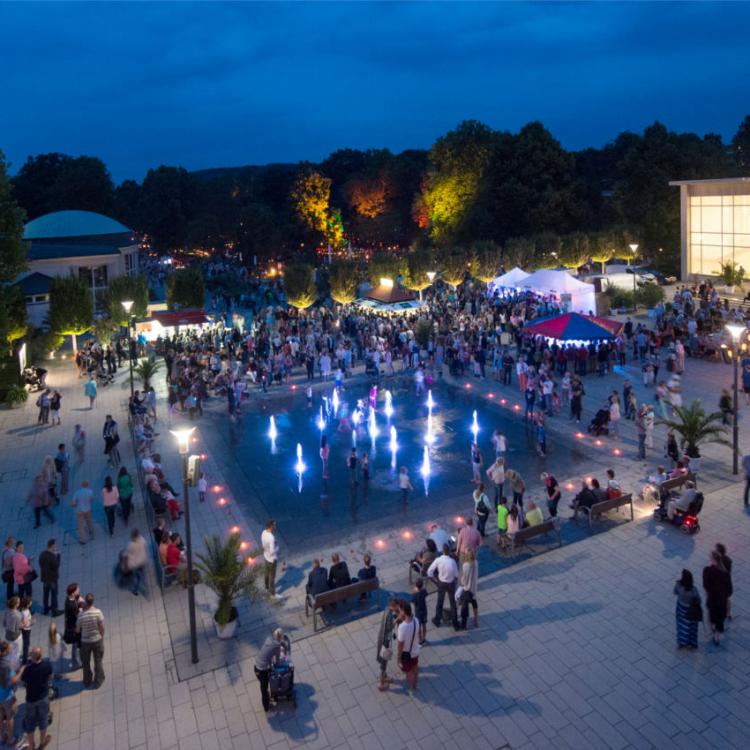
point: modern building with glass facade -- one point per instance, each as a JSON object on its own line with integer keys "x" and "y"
{"x": 715, "y": 225}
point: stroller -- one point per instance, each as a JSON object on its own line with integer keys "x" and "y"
{"x": 599, "y": 423}
{"x": 34, "y": 378}
{"x": 281, "y": 680}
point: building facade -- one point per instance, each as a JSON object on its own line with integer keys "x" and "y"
{"x": 714, "y": 225}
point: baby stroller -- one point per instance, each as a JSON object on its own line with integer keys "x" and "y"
{"x": 599, "y": 423}
{"x": 281, "y": 680}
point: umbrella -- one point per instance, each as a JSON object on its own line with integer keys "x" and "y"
{"x": 575, "y": 327}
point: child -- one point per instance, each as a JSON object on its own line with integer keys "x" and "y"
{"x": 419, "y": 601}
{"x": 541, "y": 436}
{"x": 502, "y": 522}
{"x": 202, "y": 487}
{"x": 27, "y": 620}
{"x": 55, "y": 649}
{"x": 555, "y": 401}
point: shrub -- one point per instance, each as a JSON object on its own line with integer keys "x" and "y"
{"x": 649, "y": 295}
{"x": 16, "y": 395}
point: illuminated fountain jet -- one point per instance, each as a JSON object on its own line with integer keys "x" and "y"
{"x": 321, "y": 420}
{"x": 335, "y": 402}
{"x": 299, "y": 467}
{"x": 393, "y": 445}
{"x": 273, "y": 433}
{"x": 430, "y": 402}
{"x": 425, "y": 470}
{"x": 388, "y": 404}
{"x": 474, "y": 425}
{"x": 429, "y": 437}
{"x": 372, "y": 426}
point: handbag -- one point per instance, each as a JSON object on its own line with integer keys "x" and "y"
{"x": 7, "y": 576}
{"x": 406, "y": 655}
{"x": 385, "y": 653}
{"x": 30, "y": 576}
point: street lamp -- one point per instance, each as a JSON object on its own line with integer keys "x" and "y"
{"x": 183, "y": 441}
{"x": 431, "y": 276}
{"x": 633, "y": 247}
{"x": 736, "y": 331}
{"x": 128, "y": 306}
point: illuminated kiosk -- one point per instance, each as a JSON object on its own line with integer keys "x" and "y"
{"x": 714, "y": 225}
{"x": 389, "y": 297}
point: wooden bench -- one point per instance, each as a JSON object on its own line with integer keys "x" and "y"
{"x": 676, "y": 483}
{"x": 522, "y": 536}
{"x": 341, "y": 594}
{"x": 604, "y": 506}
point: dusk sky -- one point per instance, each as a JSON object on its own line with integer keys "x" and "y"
{"x": 214, "y": 84}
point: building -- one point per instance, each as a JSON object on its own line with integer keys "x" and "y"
{"x": 714, "y": 225}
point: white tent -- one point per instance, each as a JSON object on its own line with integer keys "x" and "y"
{"x": 512, "y": 279}
{"x": 574, "y": 295}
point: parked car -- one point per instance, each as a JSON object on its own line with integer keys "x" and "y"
{"x": 644, "y": 275}
{"x": 662, "y": 278}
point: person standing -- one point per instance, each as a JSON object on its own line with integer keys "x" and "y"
{"x": 496, "y": 473}
{"x": 8, "y": 680}
{"x": 352, "y": 464}
{"x": 408, "y": 646}
{"x": 62, "y": 465}
{"x": 446, "y": 570}
{"x": 27, "y": 620}
{"x": 476, "y": 464}
{"x": 717, "y": 583}
{"x": 137, "y": 556}
{"x": 384, "y": 653}
{"x": 54, "y": 404}
{"x": 83, "y": 498}
{"x": 270, "y": 557}
{"x": 111, "y": 437}
{"x": 36, "y": 676}
{"x": 110, "y": 498}
{"x": 404, "y": 485}
{"x": 468, "y": 582}
{"x": 23, "y": 574}
{"x": 12, "y": 630}
{"x": 8, "y": 551}
{"x": 614, "y": 414}
{"x": 90, "y": 626}
{"x": 49, "y": 572}
{"x": 79, "y": 444}
{"x": 746, "y": 467}
{"x": 325, "y": 452}
{"x": 481, "y": 508}
{"x": 89, "y": 390}
{"x": 269, "y": 652}
{"x": 125, "y": 492}
{"x": 468, "y": 539}
{"x": 688, "y": 612}
{"x": 726, "y": 561}
{"x": 577, "y": 393}
{"x": 39, "y": 498}
{"x": 43, "y": 403}
{"x": 73, "y": 604}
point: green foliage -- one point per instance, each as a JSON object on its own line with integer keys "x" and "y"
{"x": 453, "y": 264}
{"x": 16, "y": 395}
{"x": 649, "y": 295}
{"x": 732, "y": 274}
{"x": 620, "y": 298}
{"x": 519, "y": 251}
{"x": 227, "y": 574}
{"x": 133, "y": 288}
{"x": 71, "y": 309}
{"x": 12, "y": 217}
{"x": 695, "y": 428}
{"x": 167, "y": 204}
{"x": 741, "y": 147}
{"x": 13, "y": 318}
{"x": 185, "y": 289}
{"x": 299, "y": 284}
{"x": 423, "y": 332}
{"x": 485, "y": 260}
{"x": 418, "y": 263}
{"x": 41, "y": 343}
{"x": 145, "y": 372}
{"x": 343, "y": 279}
{"x": 575, "y": 249}
{"x": 383, "y": 264}
{"x": 105, "y": 329}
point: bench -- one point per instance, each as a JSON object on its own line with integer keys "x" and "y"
{"x": 604, "y": 506}
{"x": 522, "y": 536}
{"x": 676, "y": 483}
{"x": 341, "y": 594}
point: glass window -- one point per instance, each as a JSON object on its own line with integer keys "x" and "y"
{"x": 742, "y": 258}
{"x": 695, "y": 218}
{"x": 711, "y": 219}
{"x": 741, "y": 222}
{"x": 742, "y": 200}
{"x": 742, "y": 240}
{"x": 711, "y": 259}
{"x": 84, "y": 274}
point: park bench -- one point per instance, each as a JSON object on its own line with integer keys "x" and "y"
{"x": 334, "y": 596}
{"x": 522, "y": 536}
{"x": 676, "y": 483}
{"x": 604, "y": 506}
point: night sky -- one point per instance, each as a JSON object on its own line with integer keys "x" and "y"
{"x": 214, "y": 84}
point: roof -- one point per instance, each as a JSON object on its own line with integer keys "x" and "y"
{"x": 187, "y": 317}
{"x": 714, "y": 181}
{"x": 510, "y": 279}
{"x": 35, "y": 283}
{"x": 553, "y": 281}
{"x": 575, "y": 327}
{"x": 44, "y": 251}
{"x": 72, "y": 224}
{"x": 388, "y": 295}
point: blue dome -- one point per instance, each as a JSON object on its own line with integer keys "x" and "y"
{"x": 72, "y": 224}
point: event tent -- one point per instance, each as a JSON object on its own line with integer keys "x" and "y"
{"x": 573, "y": 295}
{"x": 575, "y": 327}
{"x": 512, "y": 279}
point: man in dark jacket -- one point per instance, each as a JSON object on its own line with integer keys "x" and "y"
{"x": 317, "y": 580}
{"x": 49, "y": 572}
{"x": 338, "y": 575}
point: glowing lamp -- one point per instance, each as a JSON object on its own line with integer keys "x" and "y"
{"x": 386, "y": 282}
{"x": 503, "y": 401}
{"x": 127, "y": 305}
{"x": 459, "y": 520}
{"x": 736, "y": 331}
{"x": 379, "y": 543}
{"x": 183, "y": 439}
{"x": 250, "y": 560}
{"x": 617, "y": 452}
{"x": 490, "y": 395}
{"x": 407, "y": 535}
{"x": 216, "y": 488}
{"x": 234, "y": 530}
{"x": 517, "y": 407}
{"x": 598, "y": 442}
{"x": 569, "y": 485}
{"x": 294, "y": 387}
{"x": 222, "y": 501}
{"x": 244, "y": 545}
{"x": 580, "y": 435}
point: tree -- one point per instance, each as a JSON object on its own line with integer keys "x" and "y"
{"x": 741, "y": 146}
{"x": 453, "y": 264}
{"x": 13, "y": 319}
{"x": 519, "y": 251}
{"x": 299, "y": 284}
{"x": 334, "y": 229}
{"x": 311, "y": 195}
{"x": 343, "y": 278}
{"x": 696, "y": 427}
{"x": 185, "y": 289}
{"x": 602, "y": 249}
{"x": 485, "y": 260}
{"x": 71, "y": 309}
{"x": 167, "y": 206}
{"x": 12, "y": 218}
{"x": 383, "y": 265}
{"x": 575, "y": 249}
{"x": 419, "y": 263}
{"x": 133, "y": 288}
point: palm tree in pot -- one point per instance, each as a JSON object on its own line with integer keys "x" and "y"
{"x": 229, "y": 573}
{"x": 145, "y": 371}
{"x": 695, "y": 428}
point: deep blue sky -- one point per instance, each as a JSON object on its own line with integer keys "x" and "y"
{"x": 213, "y": 84}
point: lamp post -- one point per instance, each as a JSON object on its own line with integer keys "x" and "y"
{"x": 633, "y": 247}
{"x": 736, "y": 332}
{"x": 128, "y": 306}
{"x": 183, "y": 441}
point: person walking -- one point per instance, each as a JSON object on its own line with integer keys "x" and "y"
{"x": 125, "y": 492}
{"x": 688, "y": 612}
{"x": 62, "y": 466}
{"x": 111, "y": 439}
{"x": 446, "y": 572}
{"x": 270, "y": 557}
{"x": 82, "y": 501}
{"x": 39, "y": 499}
{"x": 726, "y": 561}
{"x": 36, "y": 677}
{"x": 476, "y": 464}
{"x": 408, "y": 647}
{"x": 73, "y": 605}
{"x": 8, "y": 551}
{"x": 468, "y": 586}
{"x": 325, "y": 452}
{"x": 270, "y": 652}
{"x": 386, "y": 634}
{"x": 8, "y": 680}
{"x": 89, "y": 390}
{"x": 49, "y": 572}
{"x": 404, "y": 485}
{"x": 717, "y": 584}
{"x": 110, "y": 498}
{"x": 137, "y": 555}
{"x": 640, "y": 428}
{"x": 79, "y": 443}
{"x": 27, "y": 620}
{"x": 481, "y": 508}
{"x": 49, "y": 472}
{"x": 90, "y": 626}
{"x": 23, "y": 573}
{"x": 12, "y": 630}
{"x": 614, "y": 414}
{"x": 577, "y": 393}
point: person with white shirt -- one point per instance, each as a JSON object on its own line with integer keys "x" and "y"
{"x": 270, "y": 556}
{"x": 407, "y": 637}
{"x": 446, "y": 570}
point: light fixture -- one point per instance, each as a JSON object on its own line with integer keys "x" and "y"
{"x": 386, "y": 282}
{"x": 736, "y": 331}
{"x": 431, "y": 276}
{"x": 183, "y": 438}
{"x": 127, "y": 304}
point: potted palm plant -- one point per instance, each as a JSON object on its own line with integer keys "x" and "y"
{"x": 145, "y": 371}
{"x": 229, "y": 573}
{"x": 695, "y": 428}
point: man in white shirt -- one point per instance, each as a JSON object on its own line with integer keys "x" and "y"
{"x": 270, "y": 556}
{"x": 447, "y": 573}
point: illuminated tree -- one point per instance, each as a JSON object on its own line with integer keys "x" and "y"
{"x": 299, "y": 284}
{"x": 123, "y": 288}
{"x": 453, "y": 264}
{"x": 334, "y": 231}
{"x": 602, "y": 249}
{"x": 575, "y": 249}
{"x": 519, "y": 251}
{"x": 311, "y": 195}
{"x": 343, "y": 279}
{"x": 485, "y": 260}
{"x": 384, "y": 265}
{"x": 71, "y": 309}
{"x": 418, "y": 264}
{"x": 368, "y": 197}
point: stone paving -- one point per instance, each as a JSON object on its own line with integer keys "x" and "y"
{"x": 575, "y": 646}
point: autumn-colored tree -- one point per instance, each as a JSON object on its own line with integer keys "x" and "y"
{"x": 334, "y": 231}
{"x": 575, "y": 249}
{"x": 299, "y": 284}
{"x": 368, "y": 197}
{"x": 602, "y": 249}
{"x": 343, "y": 279}
{"x": 311, "y": 195}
